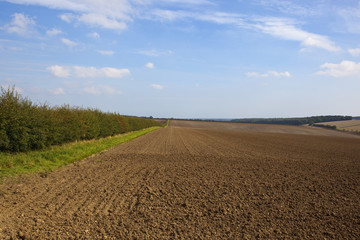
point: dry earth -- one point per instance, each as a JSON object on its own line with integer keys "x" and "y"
{"x": 197, "y": 180}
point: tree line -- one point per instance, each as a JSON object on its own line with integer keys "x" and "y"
{"x": 294, "y": 121}
{"x": 26, "y": 126}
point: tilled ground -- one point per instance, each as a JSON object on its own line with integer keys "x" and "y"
{"x": 192, "y": 181}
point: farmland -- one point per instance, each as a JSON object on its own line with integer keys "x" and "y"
{"x": 350, "y": 125}
{"x": 197, "y": 180}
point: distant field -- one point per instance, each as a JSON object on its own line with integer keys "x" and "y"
{"x": 349, "y": 125}
{"x": 266, "y": 128}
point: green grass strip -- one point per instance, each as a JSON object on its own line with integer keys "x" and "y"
{"x": 166, "y": 124}
{"x": 57, "y": 156}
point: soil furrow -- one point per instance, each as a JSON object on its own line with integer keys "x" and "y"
{"x": 197, "y": 180}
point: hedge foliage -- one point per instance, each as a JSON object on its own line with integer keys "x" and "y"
{"x": 25, "y": 126}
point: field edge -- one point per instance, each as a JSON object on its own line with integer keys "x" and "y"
{"x": 45, "y": 161}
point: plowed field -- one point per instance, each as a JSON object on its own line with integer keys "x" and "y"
{"x": 197, "y": 180}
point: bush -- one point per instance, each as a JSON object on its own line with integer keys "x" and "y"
{"x": 25, "y": 126}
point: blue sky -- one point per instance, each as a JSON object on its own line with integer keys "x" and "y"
{"x": 186, "y": 59}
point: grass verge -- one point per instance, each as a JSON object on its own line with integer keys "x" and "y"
{"x": 57, "y": 156}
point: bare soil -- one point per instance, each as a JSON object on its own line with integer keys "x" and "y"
{"x": 196, "y": 180}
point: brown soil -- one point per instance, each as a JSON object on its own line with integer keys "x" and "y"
{"x": 196, "y": 181}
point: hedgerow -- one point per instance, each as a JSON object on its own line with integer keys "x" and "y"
{"x": 26, "y": 126}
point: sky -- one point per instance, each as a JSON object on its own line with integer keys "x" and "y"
{"x": 185, "y": 58}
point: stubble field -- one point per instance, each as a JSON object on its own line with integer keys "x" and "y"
{"x": 197, "y": 180}
{"x": 349, "y": 125}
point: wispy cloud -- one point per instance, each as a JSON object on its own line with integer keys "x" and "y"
{"x": 268, "y": 74}
{"x": 88, "y": 72}
{"x": 155, "y": 53}
{"x": 157, "y": 86}
{"x": 57, "y": 91}
{"x": 107, "y": 14}
{"x": 288, "y": 7}
{"x": 351, "y": 17}
{"x": 287, "y": 29}
{"x": 21, "y": 25}
{"x": 93, "y": 35}
{"x": 101, "y": 90}
{"x": 67, "y": 17}
{"x": 100, "y": 20}
{"x": 92, "y": 72}
{"x": 354, "y": 52}
{"x": 53, "y": 32}
{"x": 282, "y": 28}
{"x": 106, "y": 52}
{"x": 104, "y": 14}
{"x": 68, "y": 42}
{"x": 343, "y": 69}
{"x": 149, "y": 65}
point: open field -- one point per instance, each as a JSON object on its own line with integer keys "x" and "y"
{"x": 197, "y": 180}
{"x": 264, "y": 128}
{"x": 350, "y": 125}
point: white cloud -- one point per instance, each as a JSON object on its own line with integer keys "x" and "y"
{"x": 53, "y": 32}
{"x": 283, "y": 28}
{"x": 268, "y": 74}
{"x": 59, "y": 71}
{"x": 279, "y": 74}
{"x": 149, "y": 65}
{"x": 155, "y": 53}
{"x": 67, "y": 17}
{"x": 68, "y": 42}
{"x": 354, "y": 52}
{"x": 114, "y": 72}
{"x": 22, "y": 25}
{"x": 157, "y": 86}
{"x": 93, "y": 35}
{"x": 85, "y": 72}
{"x": 255, "y": 74}
{"x": 286, "y": 29}
{"x": 106, "y": 52}
{"x": 343, "y": 69}
{"x": 101, "y": 90}
{"x": 110, "y": 14}
{"x": 57, "y": 91}
{"x": 100, "y": 20}
{"x": 88, "y": 72}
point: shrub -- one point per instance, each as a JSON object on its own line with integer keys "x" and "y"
{"x": 25, "y": 126}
